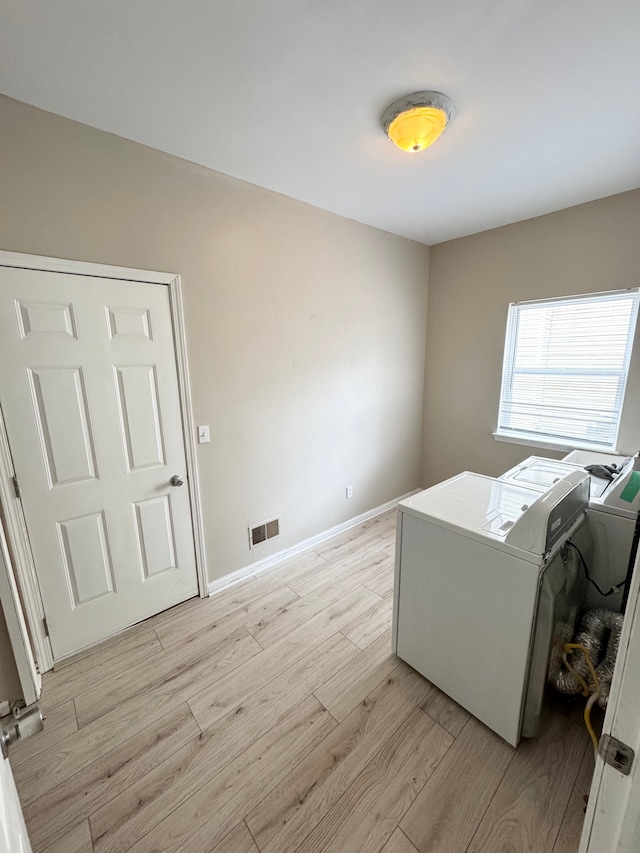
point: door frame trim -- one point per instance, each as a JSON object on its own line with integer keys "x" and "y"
{"x": 16, "y": 530}
{"x": 21, "y": 587}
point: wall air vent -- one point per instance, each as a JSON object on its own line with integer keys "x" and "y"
{"x": 264, "y": 531}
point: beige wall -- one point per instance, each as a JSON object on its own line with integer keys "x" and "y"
{"x": 306, "y": 331}
{"x": 472, "y": 280}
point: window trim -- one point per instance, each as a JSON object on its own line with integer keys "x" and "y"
{"x": 531, "y": 440}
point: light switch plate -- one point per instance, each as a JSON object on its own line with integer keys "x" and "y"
{"x": 203, "y": 434}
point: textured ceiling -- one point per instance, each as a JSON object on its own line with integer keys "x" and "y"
{"x": 287, "y": 94}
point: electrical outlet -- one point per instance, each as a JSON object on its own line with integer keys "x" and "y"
{"x": 349, "y": 492}
{"x": 203, "y": 435}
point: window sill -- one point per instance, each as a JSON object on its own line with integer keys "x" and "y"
{"x": 534, "y": 441}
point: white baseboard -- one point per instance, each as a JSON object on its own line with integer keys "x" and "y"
{"x": 306, "y": 545}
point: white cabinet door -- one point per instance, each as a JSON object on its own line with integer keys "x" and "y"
{"x": 89, "y": 391}
{"x": 13, "y": 832}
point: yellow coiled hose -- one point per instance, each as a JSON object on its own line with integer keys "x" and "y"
{"x": 592, "y": 697}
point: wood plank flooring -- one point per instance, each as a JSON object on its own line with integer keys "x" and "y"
{"x": 273, "y": 718}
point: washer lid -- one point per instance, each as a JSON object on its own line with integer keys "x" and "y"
{"x": 540, "y": 473}
{"x": 511, "y": 517}
{"x": 477, "y": 506}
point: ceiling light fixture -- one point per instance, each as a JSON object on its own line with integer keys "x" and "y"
{"x": 414, "y": 122}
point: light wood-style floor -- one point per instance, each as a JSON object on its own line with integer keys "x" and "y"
{"x": 273, "y": 718}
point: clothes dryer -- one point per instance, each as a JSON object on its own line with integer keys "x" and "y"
{"x": 613, "y": 513}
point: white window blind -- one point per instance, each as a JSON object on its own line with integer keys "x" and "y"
{"x": 565, "y": 368}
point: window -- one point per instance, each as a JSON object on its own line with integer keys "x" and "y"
{"x": 565, "y": 368}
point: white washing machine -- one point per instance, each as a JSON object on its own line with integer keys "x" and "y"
{"x": 483, "y": 576}
{"x": 613, "y": 512}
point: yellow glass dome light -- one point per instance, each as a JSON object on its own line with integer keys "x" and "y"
{"x": 414, "y": 122}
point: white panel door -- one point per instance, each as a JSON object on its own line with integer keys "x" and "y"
{"x": 89, "y": 391}
{"x": 612, "y": 822}
{"x": 13, "y": 832}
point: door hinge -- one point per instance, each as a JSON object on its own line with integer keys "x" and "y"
{"x": 45, "y": 625}
{"x": 616, "y": 754}
{"x": 16, "y": 487}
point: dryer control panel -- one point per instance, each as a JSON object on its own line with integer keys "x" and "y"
{"x": 548, "y": 519}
